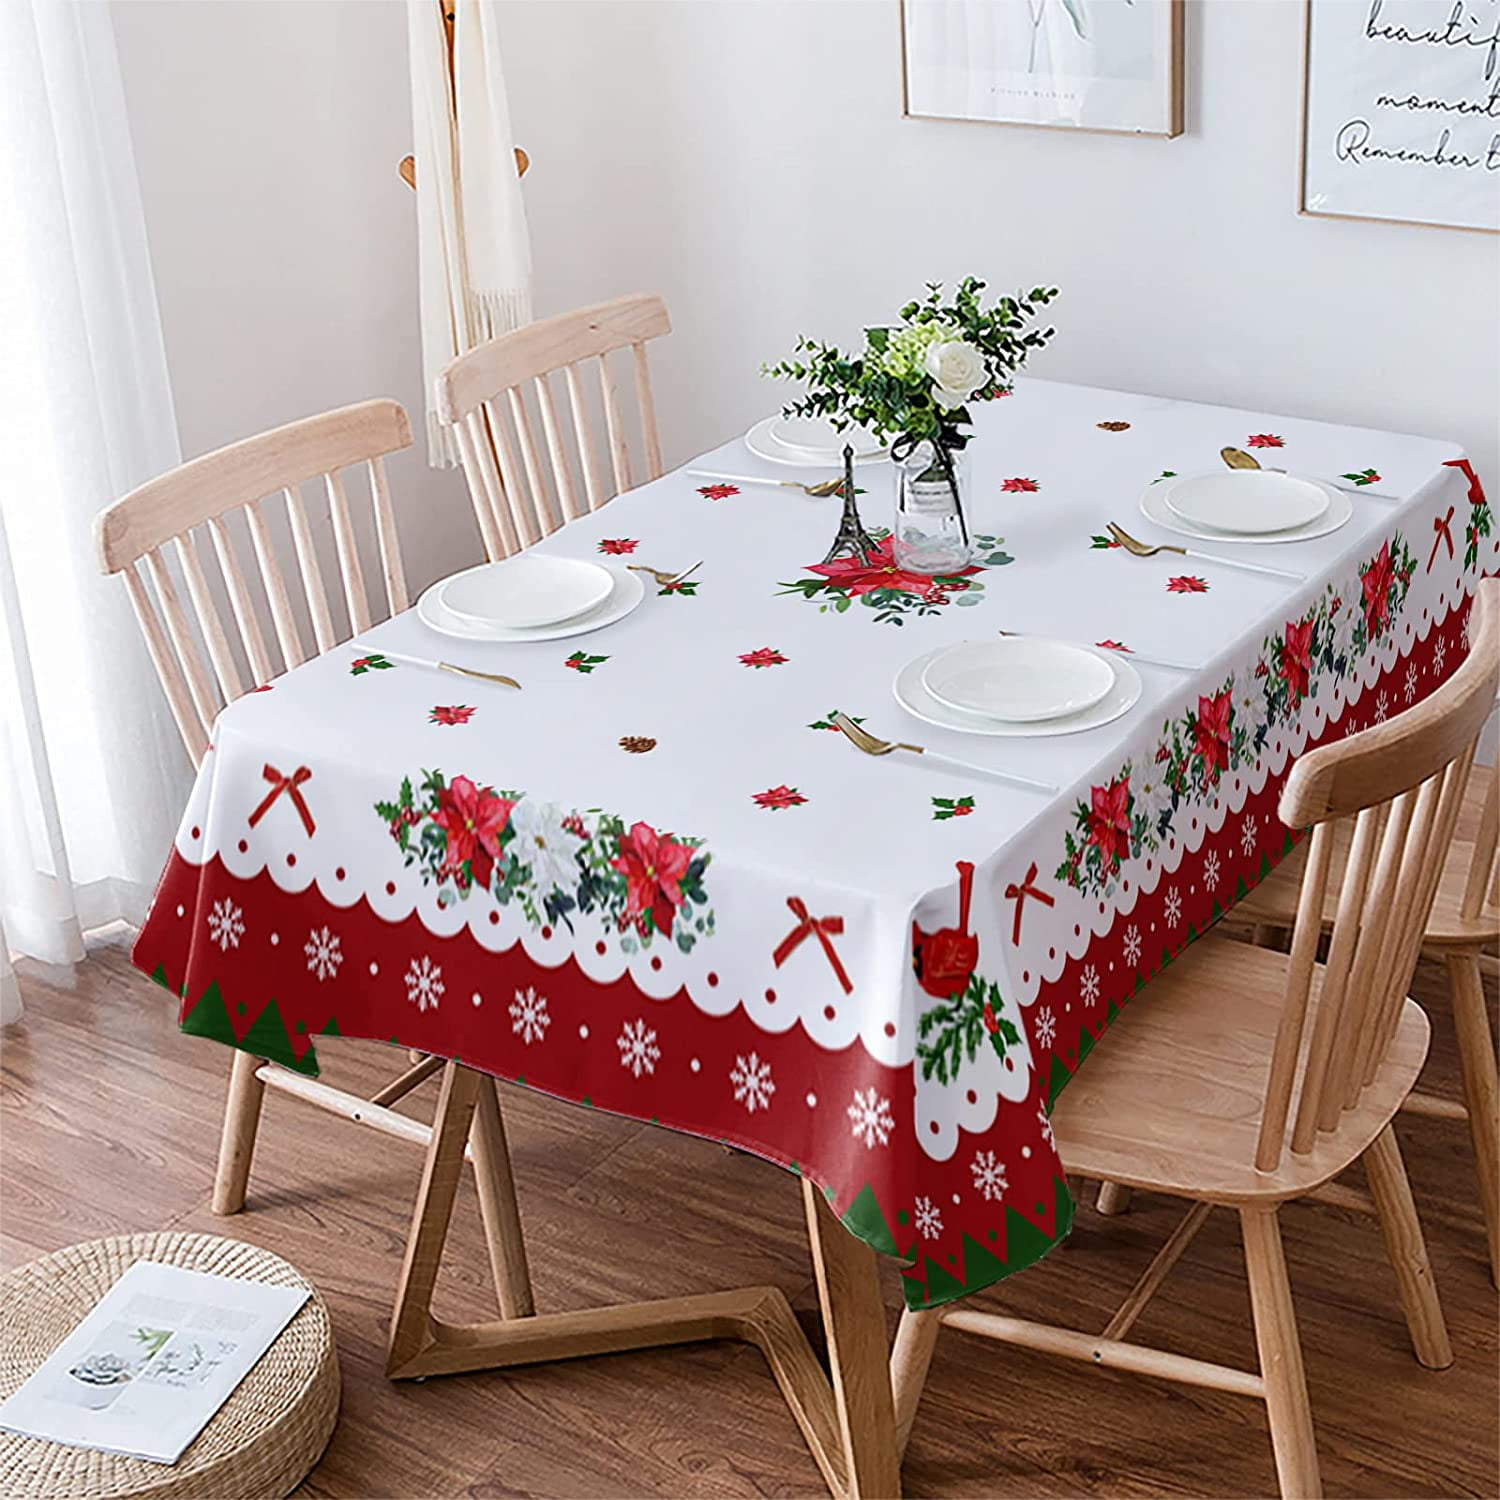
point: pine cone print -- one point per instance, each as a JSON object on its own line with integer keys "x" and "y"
{"x": 1113, "y": 426}
{"x": 637, "y": 744}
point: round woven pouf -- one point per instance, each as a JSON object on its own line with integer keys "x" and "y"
{"x": 260, "y": 1443}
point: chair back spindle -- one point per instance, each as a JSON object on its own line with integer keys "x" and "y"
{"x": 162, "y": 519}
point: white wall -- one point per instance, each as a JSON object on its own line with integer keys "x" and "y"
{"x": 748, "y": 159}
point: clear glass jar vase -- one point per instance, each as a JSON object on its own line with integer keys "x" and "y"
{"x": 931, "y": 534}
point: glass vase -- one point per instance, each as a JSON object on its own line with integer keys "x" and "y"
{"x": 931, "y": 534}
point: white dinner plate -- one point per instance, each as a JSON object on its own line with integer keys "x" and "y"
{"x": 1021, "y": 678}
{"x": 760, "y": 441}
{"x": 1251, "y": 502}
{"x": 917, "y": 701}
{"x": 1155, "y": 508}
{"x": 526, "y": 591}
{"x": 626, "y": 592}
{"x": 818, "y": 435}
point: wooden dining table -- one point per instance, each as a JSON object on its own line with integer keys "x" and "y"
{"x": 655, "y": 878}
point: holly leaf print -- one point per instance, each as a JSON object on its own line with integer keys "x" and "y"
{"x": 374, "y": 662}
{"x": 827, "y": 721}
{"x": 944, "y": 808}
{"x": 1362, "y": 476}
{"x": 581, "y": 662}
{"x": 1099, "y": 543}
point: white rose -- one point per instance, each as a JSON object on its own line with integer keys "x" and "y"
{"x": 958, "y": 370}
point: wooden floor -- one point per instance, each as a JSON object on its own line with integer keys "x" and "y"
{"x": 110, "y": 1121}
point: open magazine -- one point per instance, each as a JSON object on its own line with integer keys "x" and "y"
{"x": 156, "y": 1358}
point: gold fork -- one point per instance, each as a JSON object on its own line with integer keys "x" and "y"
{"x": 862, "y": 739}
{"x": 436, "y": 666}
{"x": 665, "y": 580}
{"x": 1139, "y": 548}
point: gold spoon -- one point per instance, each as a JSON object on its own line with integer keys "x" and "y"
{"x": 1138, "y": 548}
{"x": 666, "y": 580}
{"x": 862, "y": 739}
{"x": 1237, "y": 458}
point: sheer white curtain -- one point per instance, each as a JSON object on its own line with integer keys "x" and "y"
{"x": 91, "y": 771}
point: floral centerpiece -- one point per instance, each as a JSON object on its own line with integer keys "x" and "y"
{"x": 912, "y": 384}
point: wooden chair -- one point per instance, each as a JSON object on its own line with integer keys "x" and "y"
{"x": 164, "y": 518}
{"x": 480, "y": 390}
{"x": 1248, "y": 1077}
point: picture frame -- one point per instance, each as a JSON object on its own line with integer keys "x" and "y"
{"x": 1346, "y": 74}
{"x": 1047, "y": 64}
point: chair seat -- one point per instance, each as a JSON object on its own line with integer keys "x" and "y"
{"x": 1171, "y": 1100}
{"x": 1274, "y": 901}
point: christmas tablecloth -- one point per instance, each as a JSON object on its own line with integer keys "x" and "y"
{"x": 657, "y": 881}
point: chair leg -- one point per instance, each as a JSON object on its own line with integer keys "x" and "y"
{"x": 1407, "y": 1251}
{"x": 1476, "y": 1055}
{"x": 1113, "y": 1199}
{"x": 916, "y": 1338}
{"x": 497, "y": 1205}
{"x": 237, "y": 1144}
{"x": 1280, "y": 1357}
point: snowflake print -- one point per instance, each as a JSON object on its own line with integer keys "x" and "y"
{"x": 618, "y": 546}
{"x": 1020, "y": 486}
{"x": 424, "y": 983}
{"x": 226, "y": 924}
{"x": 779, "y": 797}
{"x": 1132, "y": 945}
{"x": 528, "y": 1016}
{"x": 1187, "y": 583}
{"x": 1439, "y": 651}
{"x": 871, "y": 1117}
{"x": 1410, "y": 688}
{"x": 1264, "y": 440}
{"x": 638, "y": 1049}
{"x": 1045, "y": 1125}
{"x": 1247, "y": 836}
{"x": 753, "y": 1084}
{"x": 456, "y": 713}
{"x": 989, "y": 1174}
{"x": 718, "y": 491}
{"x": 1464, "y": 633}
{"x": 1211, "y": 870}
{"x": 1046, "y": 1027}
{"x": 1173, "y": 908}
{"x": 928, "y": 1220}
{"x": 1382, "y": 706}
{"x": 763, "y": 656}
{"x": 323, "y": 953}
{"x": 1088, "y": 984}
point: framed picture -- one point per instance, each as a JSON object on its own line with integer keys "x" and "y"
{"x": 1401, "y": 112}
{"x": 1112, "y": 65}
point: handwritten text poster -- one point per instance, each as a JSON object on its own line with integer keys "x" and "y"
{"x": 1403, "y": 111}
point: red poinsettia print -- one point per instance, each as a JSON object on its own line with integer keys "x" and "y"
{"x": 1296, "y": 656}
{"x": 1187, "y": 583}
{"x": 1115, "y": 646}
{"x": 1376, "y": 584}
{"x": 1020, "y": 486}
{"x": 618, "y": 546}
{"x": 1264, "y": 440}
{"x": 861, "y": 577}
{"x": 718, "y": 491}
{"x": 456, "y": 713}
{"x": 766, "y": 656}
{"x": 1109, "y": 821}
{"x": 473, "y": 818}
{"x": 653, "y": 865}
{"x": 778, "y": 797}
{"x": 1213, "y": 732}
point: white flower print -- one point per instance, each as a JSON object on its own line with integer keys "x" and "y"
{"x": 424, "y": 983}
{"x": 1439, "y": 651}
{"x": 1088, "y": 984}
{"x": 638, "y": 1049}
{"x": 1411, "y": 682}
{"x": 1132, "y": 945}
{"x": 871, "y": 1116}
{"x": 753, "y": 1084}
{"x": 1211, "y": 870}
{"x": 1173, "y": 908}
{"x": 1382, "y": 706}
{"x": 989, "y": 1174}
{"x": 1046, "y": 1027}
{"x": 1045, "y": 1125}
{"x": 1153, "y": 797}
{"x": 929, "y": 1221}
{"x": 323, "y": 953}
{"x": 1248, "y": 831}
{"x": 528, "y": 1016}
{"x": 545, "y": 845}
{"x": 226, "y": 924}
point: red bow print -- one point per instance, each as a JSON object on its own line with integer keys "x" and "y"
{"x": 1476, "y": 490}
{"x": 1018, "y": 894}
{"x": 1441, "y": 525}
{"x": 291, "y": 785}
{"x": 825, "y": 929}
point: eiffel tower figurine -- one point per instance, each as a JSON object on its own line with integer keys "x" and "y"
{"x": 852, "y": 539}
